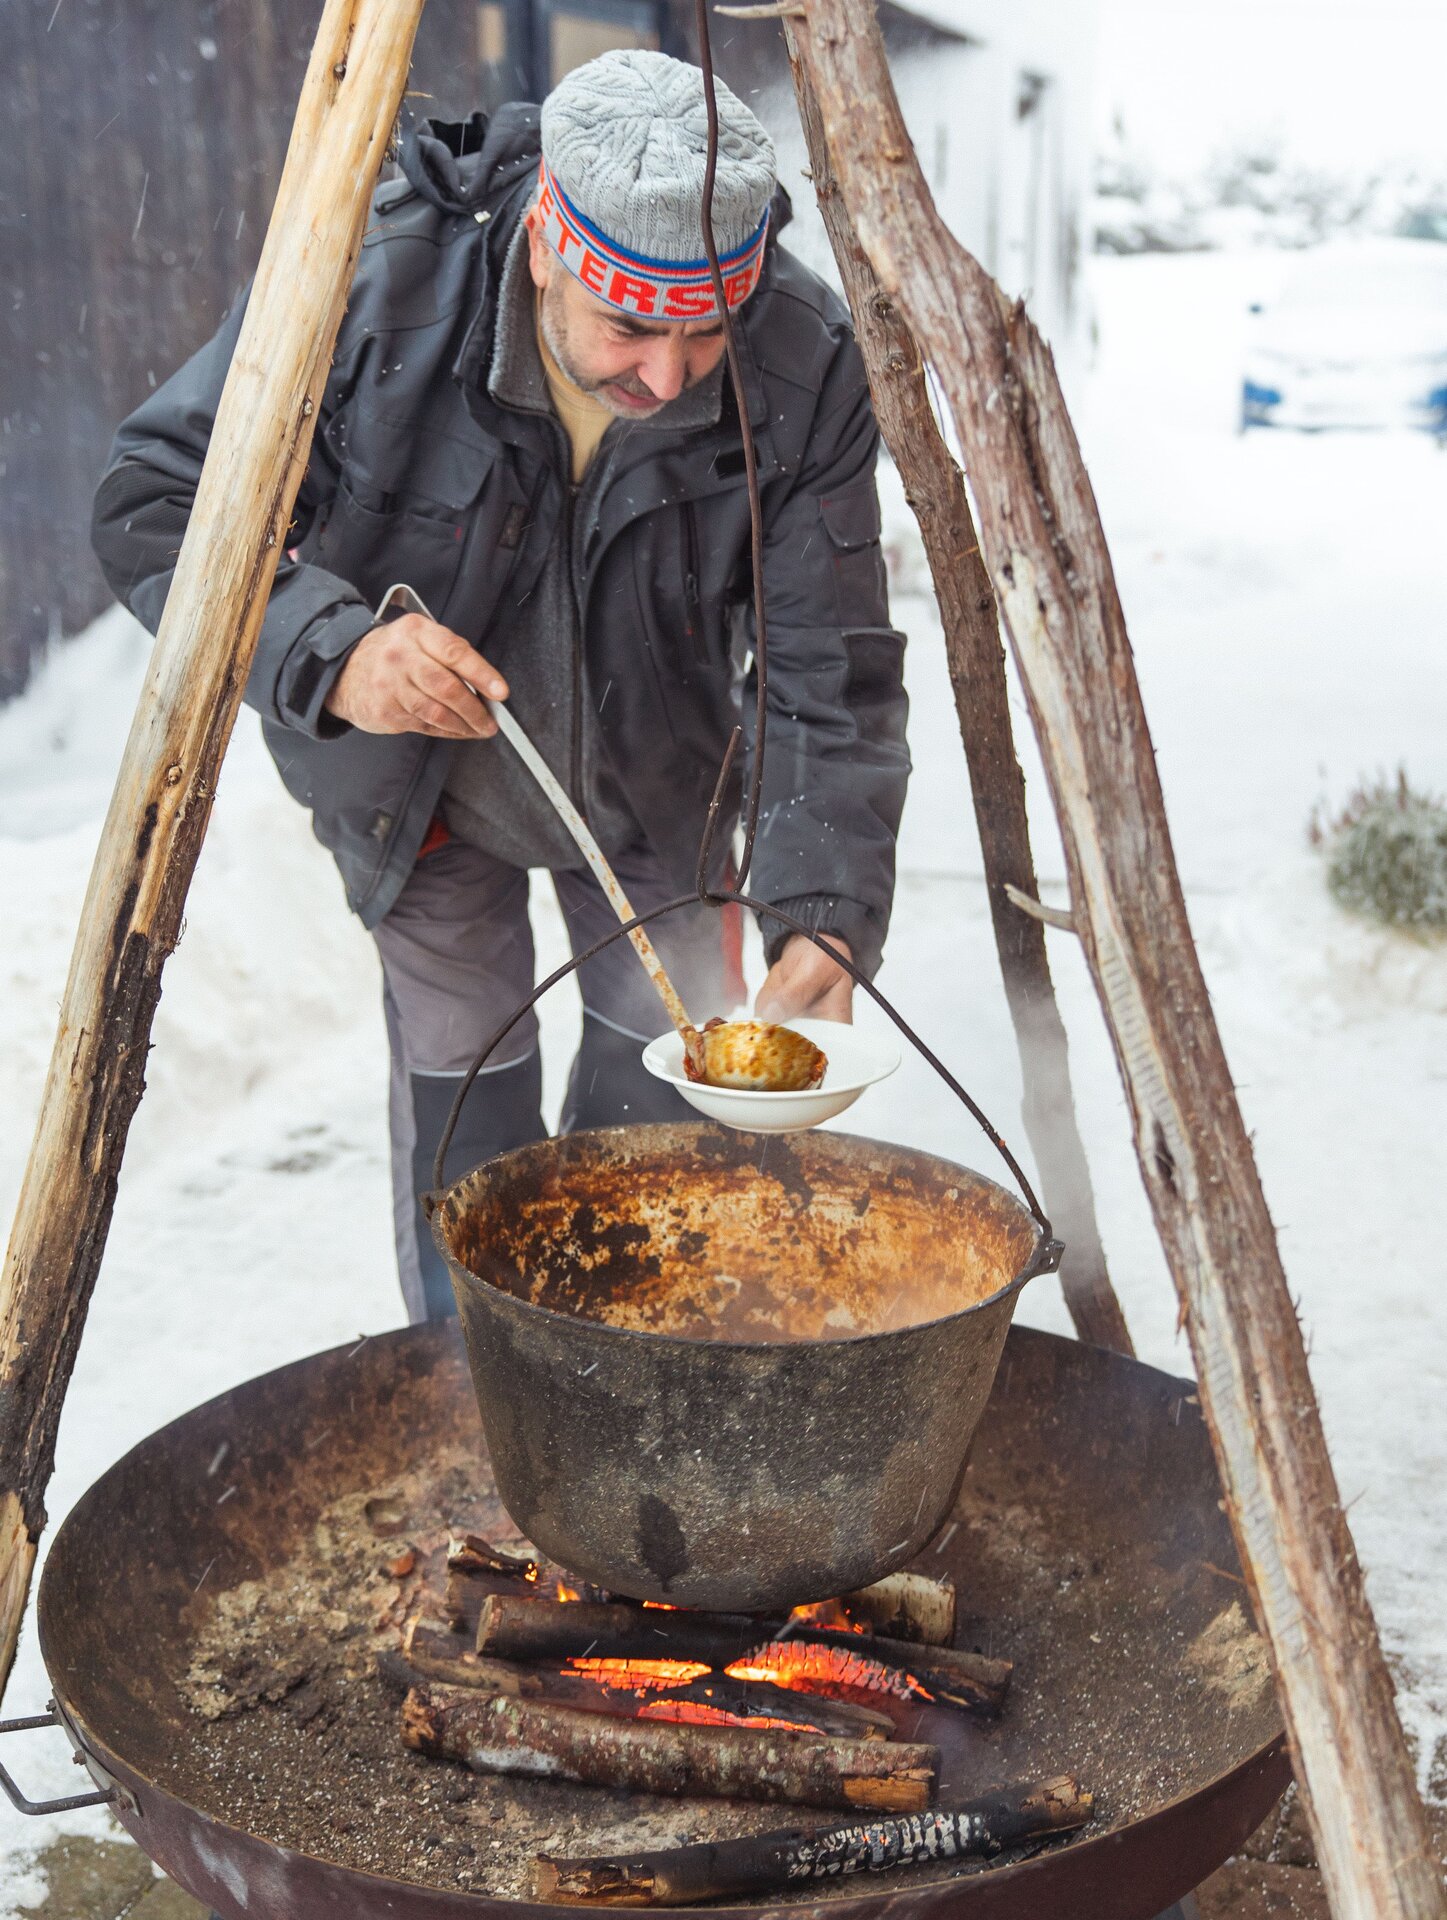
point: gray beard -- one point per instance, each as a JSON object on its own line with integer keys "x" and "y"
{"x": 557, "y": 347}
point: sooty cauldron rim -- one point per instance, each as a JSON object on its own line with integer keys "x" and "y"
{"x": 1044, "y": 1256}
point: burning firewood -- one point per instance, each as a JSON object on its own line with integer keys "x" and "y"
{"x": 714, "y": 1701}
{"x": 491, "y": 1733}
{"x": 525, "y": 1627}
{"x": 951, "y": 1676}
{"x": 906, "y": 1606}
{"x": 520, "y": 1627}
{"x": 679, "y": 1876}
{"x": 743, "y": 1701}
{"x": 426, "y": 1657}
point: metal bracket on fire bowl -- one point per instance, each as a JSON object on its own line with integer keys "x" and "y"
{"x": 109, "y": 1795}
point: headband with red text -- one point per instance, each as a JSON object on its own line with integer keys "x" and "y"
{"x": 653, "y": 289}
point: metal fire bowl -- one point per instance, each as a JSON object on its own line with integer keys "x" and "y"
{"x": 732, "y": 1370}
{"x": 1087, "y": 1544}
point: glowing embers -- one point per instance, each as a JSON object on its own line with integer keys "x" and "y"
{"x": 819, "y": 1669}
{"x": 635, "y": 1676}
{"x": 720, "y": 1700}
{"x": 702, "y": 1713}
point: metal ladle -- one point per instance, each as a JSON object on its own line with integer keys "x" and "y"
{"x": 693, "y": 1044}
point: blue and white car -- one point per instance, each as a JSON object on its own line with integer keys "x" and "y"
{"x": 1357, "y": 337}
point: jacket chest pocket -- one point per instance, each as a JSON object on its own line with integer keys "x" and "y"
{"x": 419, "y": 504}
{"x": 374, "y": 546}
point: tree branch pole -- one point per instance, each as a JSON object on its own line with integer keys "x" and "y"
{"x": 153, "y": 831}
{"x": 935, "y": 489}
{"x": 1045, "y": 549}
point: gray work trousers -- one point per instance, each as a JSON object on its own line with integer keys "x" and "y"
{"x": 457, "y": 959}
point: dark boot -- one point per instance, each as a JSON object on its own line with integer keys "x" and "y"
{"x": 610, "y": 1086}
{"x": 502, "y": 1110}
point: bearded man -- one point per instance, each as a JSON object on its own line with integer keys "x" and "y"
{"x": 528, "y": 423}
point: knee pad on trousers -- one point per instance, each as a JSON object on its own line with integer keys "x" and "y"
{"x": 610, "y": 1086}
{"x": 502, "y": 1110}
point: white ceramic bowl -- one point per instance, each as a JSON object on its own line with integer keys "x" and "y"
{"x": 856, "y": 1061}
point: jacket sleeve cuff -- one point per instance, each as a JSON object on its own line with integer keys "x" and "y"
{"x": 848, "y": 920}
{"x": 312, "y": 667}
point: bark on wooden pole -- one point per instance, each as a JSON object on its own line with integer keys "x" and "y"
{"x": 162, "y": 800}
{"x": 1045, "y": 549}
{"x": 935, "y": 489}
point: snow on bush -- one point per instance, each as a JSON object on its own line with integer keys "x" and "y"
{"x": 1386, "y": 854}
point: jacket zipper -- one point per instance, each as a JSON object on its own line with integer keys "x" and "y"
{"x": 575, "y": 784}
{"x": 692, "y": 604}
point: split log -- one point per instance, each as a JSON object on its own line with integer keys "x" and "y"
{"x": 1046, "y": 551}
{"x": 493, "y": 1734}
{"x": 680, "y": 1876}
{"x": 935, "y": 489}
{"x": 905, "y": 1606}
{"x": 131, "y": 919}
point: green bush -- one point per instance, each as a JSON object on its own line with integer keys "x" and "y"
{"x": 1386, "y": 855}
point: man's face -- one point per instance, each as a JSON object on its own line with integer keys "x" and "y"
{"x": 633, "y": 366}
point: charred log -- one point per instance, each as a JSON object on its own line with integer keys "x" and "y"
{"x": 525, "y": 1627}
{"x": 491, "y": 1733}
{"x": 679, "y": 1876}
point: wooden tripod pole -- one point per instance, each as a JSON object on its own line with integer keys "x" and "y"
{"x": 162, "y": 800}
{"x": 935, "y": 488}
{"x": 1046, "y": 552}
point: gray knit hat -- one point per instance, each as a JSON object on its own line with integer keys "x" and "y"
{"x": 625, "y": 142}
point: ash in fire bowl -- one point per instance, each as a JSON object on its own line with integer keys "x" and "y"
{"x": 780, "y": 1244}
{"x": 1139, "y": 1678}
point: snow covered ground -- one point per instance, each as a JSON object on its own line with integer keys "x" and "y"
{"x": 1287, "y": 600}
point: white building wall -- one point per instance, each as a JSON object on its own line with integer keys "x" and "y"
{"x": 1001, "y": 121}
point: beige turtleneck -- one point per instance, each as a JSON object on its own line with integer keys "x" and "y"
{"x": 585, "y": 419}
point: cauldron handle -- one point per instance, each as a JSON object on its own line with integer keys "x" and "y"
{"x": 1048, "y": 1252}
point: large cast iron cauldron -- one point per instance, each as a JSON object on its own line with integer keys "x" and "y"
{"x": 729, "y": 1370}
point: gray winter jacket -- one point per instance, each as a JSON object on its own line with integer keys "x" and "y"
{"x": 417, "y": 473}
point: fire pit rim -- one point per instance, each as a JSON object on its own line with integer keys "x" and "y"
{"x": 1044, "y": 1257}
